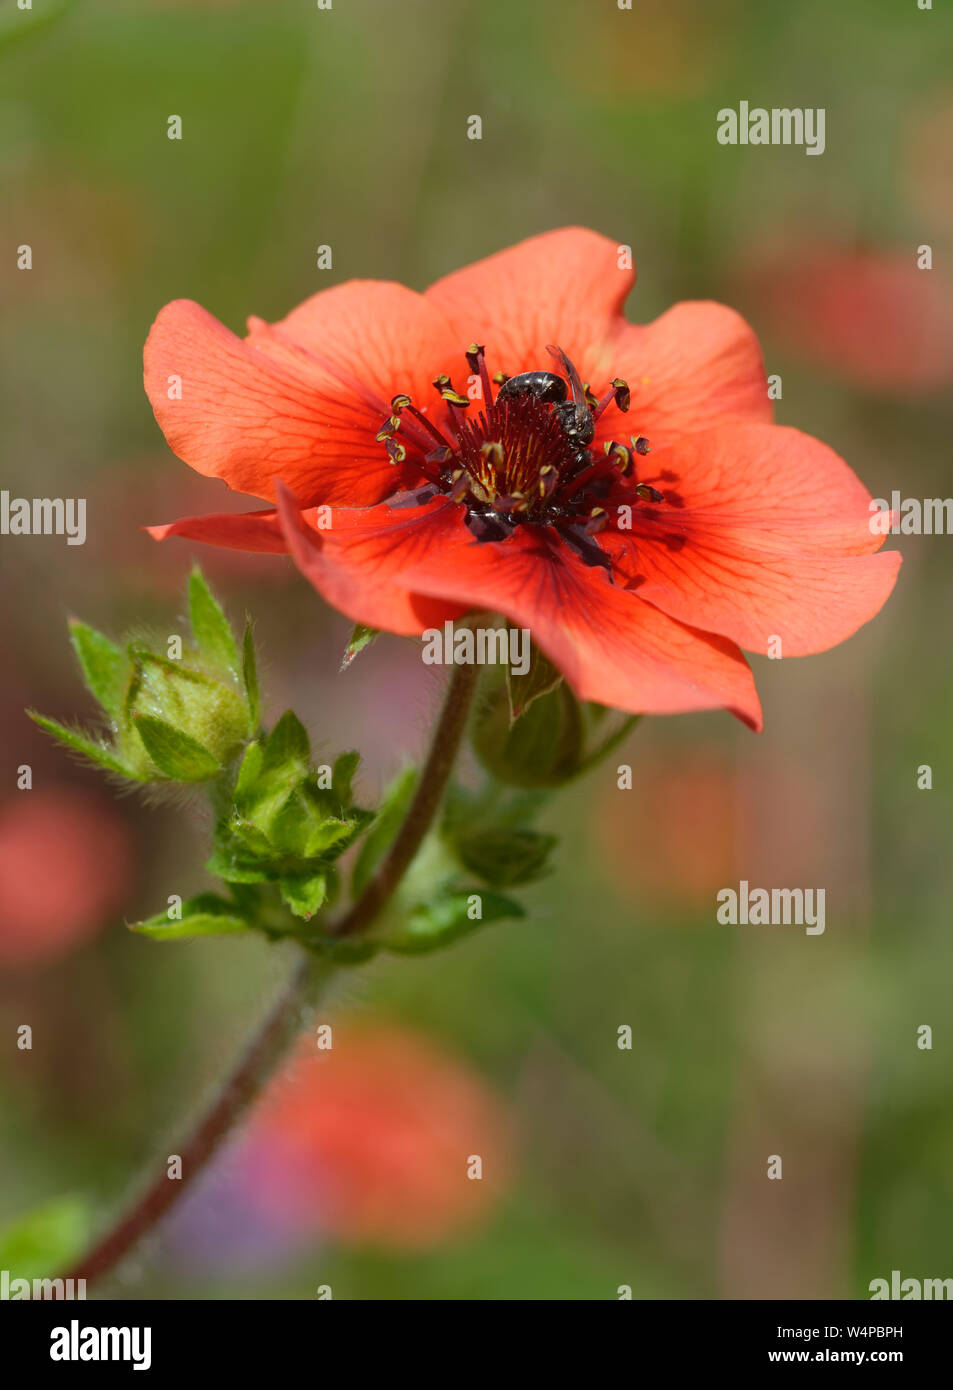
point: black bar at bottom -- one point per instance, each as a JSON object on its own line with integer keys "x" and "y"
{"x": 162, "y": 1338}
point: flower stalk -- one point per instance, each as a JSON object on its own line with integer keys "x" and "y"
{"x": 423, "y": 808}
{"x": 259, "y": 1058}
{"x": 274, "y": 1036}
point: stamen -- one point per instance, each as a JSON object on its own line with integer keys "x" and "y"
{"x": 388, "y": 430}
{"x": 619, "y": 392}
{"x": 620, "y": 455}
{"x": 515, "y": 502}
{"x": 445, "y": 386}
{"x": 459, "y": 485}
{"x": 599, "y": 468}
{"x": 429, "y": 426}
{"x": 526, "y": 459}
{"x": 548, "y": 480}
{"x": 588, "y": 550}
{"x": 400, "y": 403}
{"x": 415, "y": 496}
{"x": 476, "y": 361}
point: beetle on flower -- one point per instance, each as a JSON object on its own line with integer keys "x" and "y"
{"x": 619, "y": 489}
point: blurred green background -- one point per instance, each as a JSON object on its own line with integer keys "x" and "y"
{"x": 643, "y": 1167}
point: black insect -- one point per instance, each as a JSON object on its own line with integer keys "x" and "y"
{"x": 573, "y": 414}
{"x": 545, "y": 386}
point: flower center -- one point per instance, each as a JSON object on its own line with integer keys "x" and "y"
{"x": 526, "y": 459}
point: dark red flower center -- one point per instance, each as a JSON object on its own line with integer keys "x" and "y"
{"x": 527, "y": 458}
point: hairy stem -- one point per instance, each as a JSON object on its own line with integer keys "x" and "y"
{"x": 275, "y": 1034}
{"x": 261, "y": 1054}
{"x": 423, "y": 808}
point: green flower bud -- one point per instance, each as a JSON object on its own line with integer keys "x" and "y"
{"x": 507, "y": 856}
{"x": 554, "y": 739}
{"x": 182, "y": 722}
{"x": 543, "y": 747}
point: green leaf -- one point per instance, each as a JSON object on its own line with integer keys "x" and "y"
{"x": 46, "y": 1239}
{"x": 245, "y": 840}
{"x": 99, "y": 753}
{"x": 361, "y": 637}
{"x": 263, "y": 805}
{"x": 342, "y": 776}
{"x": 229, "y": 864}
{"x": 205, "y": 915}
{"x": 288, "y": 743}
{"x": 356, "y": 822}
{"x": 106, "y": 669}
{"x": 304, "y": 893}
{"x": 432, "y": 926}
{"x": 249, "y": 771}
{"x": 540, "y": 679}
{"x": 506, "y": 857}
{"x": 250, "y": 675}
{"x": 174, "y": 753}
{"x": 328, "y": 834}
{"x": 211, "y": 628}
{"x": 292, "y": 828}
{"x": 386, "y": 825}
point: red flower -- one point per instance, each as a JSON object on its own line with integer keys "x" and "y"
{"x": 639, "y": 577}
{"x": 371, "y": 1141}
{"x": 869, "y": 317}
{"x": 65, "y": 864}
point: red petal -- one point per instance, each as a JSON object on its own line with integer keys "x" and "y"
{"x": 255, "y": 531}
{"x": 696, "y": 363}
{"x": 770, "y": 538}
{"x": 377, "y": 337}
{"x": 273, "y": 406}
{"x": 354, "y": 564}
{"x": 610, "y": 646}
{"x": 563, "y": 287}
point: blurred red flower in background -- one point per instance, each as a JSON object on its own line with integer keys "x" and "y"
{"x": 703, "y": 820}
{"x": 870, "y": 317}
{"x": 370, "y": 1141}
{"x": 65, "y": 866}
{"x": 683, "y": 817}
{"x": 641, "y": 582}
